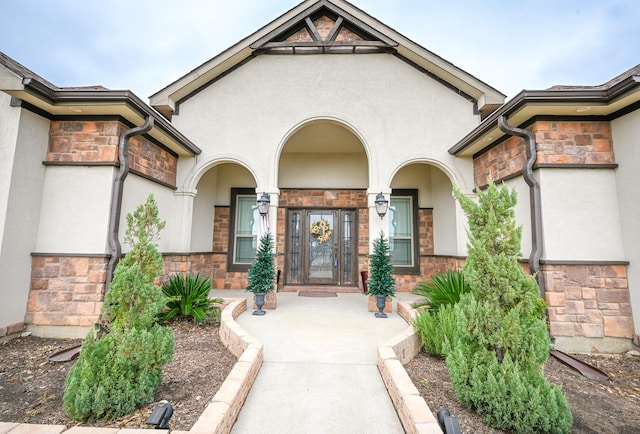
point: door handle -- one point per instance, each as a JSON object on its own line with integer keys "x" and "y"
{"x": 335, "y": 257}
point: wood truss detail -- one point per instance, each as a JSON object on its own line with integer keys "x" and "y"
{"x": 324, "y": 29}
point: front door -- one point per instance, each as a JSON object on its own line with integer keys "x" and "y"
{"x": 321, "y": 248}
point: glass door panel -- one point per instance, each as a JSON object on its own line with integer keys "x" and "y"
{"x": 321, "y": 258}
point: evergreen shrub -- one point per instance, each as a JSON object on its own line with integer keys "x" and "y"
{"x": 381, "y": 281}
{"x": 495, "y": 358}
{"x": 120, "y": 370}
{"x": 435, "y": 328}
{"x": 262, "y": 274}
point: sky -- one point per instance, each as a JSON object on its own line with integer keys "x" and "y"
{"x": 144, "y": 45}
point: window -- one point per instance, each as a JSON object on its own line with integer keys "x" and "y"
{"x": 243, "y": 230}
{"x": 403, "y": 231}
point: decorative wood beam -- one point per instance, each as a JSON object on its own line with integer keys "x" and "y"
{"x": 335, "y": 29}
{"x": 328, "y": 44}
{"x": 312, "y": 29}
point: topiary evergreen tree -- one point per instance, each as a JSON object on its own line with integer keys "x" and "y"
{"x": 262, "y": 274}
{"x": 120, "y": 370}
{"x": 381, "y": 280}
{"x": 500, "y": 342}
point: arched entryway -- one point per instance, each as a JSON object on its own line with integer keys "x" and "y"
{"x": 322, "y": 217}
{"x": 422, "y": 224}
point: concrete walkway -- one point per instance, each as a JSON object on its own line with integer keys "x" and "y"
{"x": 319, "y": 373}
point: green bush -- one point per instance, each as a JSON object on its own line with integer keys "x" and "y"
{"x": 262, "y": 274}
{"x": 508, "y": 397}
{"x": 444, "y": 289}
{"x": 495, "y": 358}
{"x": 120, "y": 371}
{"x": 381, "y": 280}
{"x": 188, "y": 297}
{"x": 436, "y": 328}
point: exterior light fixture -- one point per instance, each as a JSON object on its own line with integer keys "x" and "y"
{"x": 263, "y": 204}
{"x": 382, "y": 205}
{"x": 160, "y": 415}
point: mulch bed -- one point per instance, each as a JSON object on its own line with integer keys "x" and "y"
{"x": 32, "y": 387}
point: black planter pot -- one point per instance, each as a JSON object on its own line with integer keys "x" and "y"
{"x": 381, "y": 300}
{"x": 259, "y": 302}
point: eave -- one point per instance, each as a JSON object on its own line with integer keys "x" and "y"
{"x": 598, "y": 101}
{"x": 101, "y": 102}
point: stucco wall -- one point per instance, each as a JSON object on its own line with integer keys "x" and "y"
{"x": 74, "y": 217}
{"x": 136, "y": 191}
{"x": 523, "y": 212}
{"x": 398, "y": 113}
{"x": 580, "y": 215}
{"x": 626, "y": 141}
{"x": 8, "y": 136}
{"x": 347, "y": 170}
{"x": 19, "y": 204}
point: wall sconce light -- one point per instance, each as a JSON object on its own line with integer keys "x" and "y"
{"x": 263, "y": 204}
{"x": 382, "y": 205}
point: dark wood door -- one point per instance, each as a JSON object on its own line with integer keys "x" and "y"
{"x": 321, "y": 247}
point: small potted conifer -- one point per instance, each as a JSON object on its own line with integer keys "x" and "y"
{"x": 381, "y": 283}
{"x": 262, "y": 274}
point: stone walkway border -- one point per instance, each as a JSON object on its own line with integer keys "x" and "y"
{"x": 414, "y": 413}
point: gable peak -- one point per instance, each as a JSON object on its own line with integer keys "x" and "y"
{"x": 323, "y": 28}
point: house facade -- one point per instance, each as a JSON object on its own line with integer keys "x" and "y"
{"x": 324, "y": 109}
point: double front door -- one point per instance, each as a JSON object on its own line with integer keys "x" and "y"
{"x": 321, "y": 247}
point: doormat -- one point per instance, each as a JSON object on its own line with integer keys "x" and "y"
{"x": 316, "y": 294}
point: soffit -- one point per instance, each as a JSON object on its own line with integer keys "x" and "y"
{"x": 303, "y": 30}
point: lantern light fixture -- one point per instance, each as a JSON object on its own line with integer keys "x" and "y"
{"x": 263, "y": 204}
{"x": 382, "y": 205}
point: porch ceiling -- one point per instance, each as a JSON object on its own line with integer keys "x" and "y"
{"x": 323, "y": 137}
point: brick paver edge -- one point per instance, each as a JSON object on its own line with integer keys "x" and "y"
{"x": 412, "y": 409}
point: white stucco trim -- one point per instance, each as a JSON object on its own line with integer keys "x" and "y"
{"x": 192, "y": 179}
{"x": 454, "y": 175}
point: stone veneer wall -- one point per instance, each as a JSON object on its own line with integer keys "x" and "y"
{"x": 589, "y": 301}
{"x": 66, "y": 290}
{"x": 558, "y": 142}
{"x": 81, "y": 141}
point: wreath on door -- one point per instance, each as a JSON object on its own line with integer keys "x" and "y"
{"x": 321, "y": 230}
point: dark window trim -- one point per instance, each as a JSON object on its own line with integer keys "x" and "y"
{"x": 415, "y": 268}
{"x": 231, "y": 265}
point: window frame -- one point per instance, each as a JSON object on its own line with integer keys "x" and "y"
{"x": 232, "y": 265}
{"x": 415, "y": 236}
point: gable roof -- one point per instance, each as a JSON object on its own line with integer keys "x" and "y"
{"x": 607, "y": 101}
{"x": 50, "y": 100}
{"x": 327, "y": 26}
